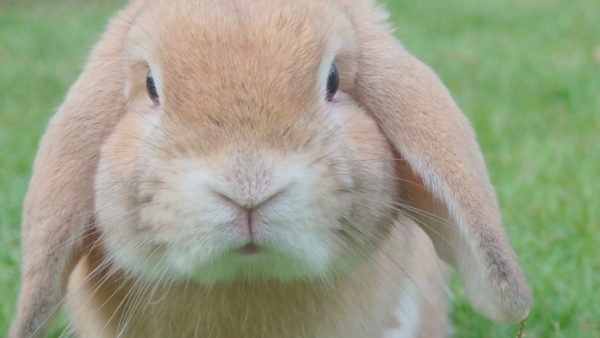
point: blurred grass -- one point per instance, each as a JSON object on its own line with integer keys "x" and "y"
{"x": 523, "y": 71}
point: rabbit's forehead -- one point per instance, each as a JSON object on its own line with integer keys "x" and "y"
{"x": 210, "y": 46}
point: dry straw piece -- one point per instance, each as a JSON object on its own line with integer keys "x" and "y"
{"x": 523, "y": 323}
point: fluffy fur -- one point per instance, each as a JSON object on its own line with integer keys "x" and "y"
{"x": 146, "y": 216}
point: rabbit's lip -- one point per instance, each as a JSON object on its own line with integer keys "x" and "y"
{"x": 249, "y": 249}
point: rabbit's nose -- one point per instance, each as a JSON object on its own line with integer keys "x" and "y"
{"x": 252, "y": 200}
{"x": 250, "y": 224}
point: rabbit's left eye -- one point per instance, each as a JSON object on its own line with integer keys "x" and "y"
{"x": 333, "y": 82}
{"x": 151, "y": 87}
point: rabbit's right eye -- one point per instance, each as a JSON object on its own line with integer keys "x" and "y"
{"x": 333, "y": 82}
{"x": 151, "y": 87}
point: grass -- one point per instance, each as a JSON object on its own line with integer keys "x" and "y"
{"x": 523, "y": 71}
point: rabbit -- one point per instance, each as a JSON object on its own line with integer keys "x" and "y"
{"x": 274, "y": 168}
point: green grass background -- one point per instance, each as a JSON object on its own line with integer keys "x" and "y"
{"x": 523, "y": 71}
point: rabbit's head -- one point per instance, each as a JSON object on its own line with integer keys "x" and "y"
{"x": 242, "y": 153}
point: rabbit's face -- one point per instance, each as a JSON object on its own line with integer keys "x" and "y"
{"x": 239, "y": 156}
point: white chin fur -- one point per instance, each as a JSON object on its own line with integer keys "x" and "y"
{"x": 180, "y": 264}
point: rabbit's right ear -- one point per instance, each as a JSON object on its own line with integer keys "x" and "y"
{"x": 446, "y": 185}
{"x": 59, "y": 204}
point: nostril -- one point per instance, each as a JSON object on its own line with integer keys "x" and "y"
{"x": 230, "y": 200}
{"x": 249, "y": 202}
{"x": 269, "y": 199}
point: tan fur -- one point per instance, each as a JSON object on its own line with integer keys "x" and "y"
{"x": 271, "y": 65}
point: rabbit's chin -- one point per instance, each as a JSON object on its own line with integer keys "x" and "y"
{"x": 254, "y": 261}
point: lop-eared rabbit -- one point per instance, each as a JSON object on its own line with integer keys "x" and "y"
{"x": 272, "y": 168}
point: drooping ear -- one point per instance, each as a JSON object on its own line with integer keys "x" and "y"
{"x": 59, "y": 203}
{"x": 451, "y": 196}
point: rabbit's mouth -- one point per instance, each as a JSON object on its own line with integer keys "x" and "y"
{"x": 249, "y": 249}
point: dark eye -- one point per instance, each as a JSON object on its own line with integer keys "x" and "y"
{"x": 151, "y": 88}
{"x": 333, "y": 82}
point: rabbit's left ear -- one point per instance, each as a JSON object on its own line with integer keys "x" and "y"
{"x": 451, "y": 195}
